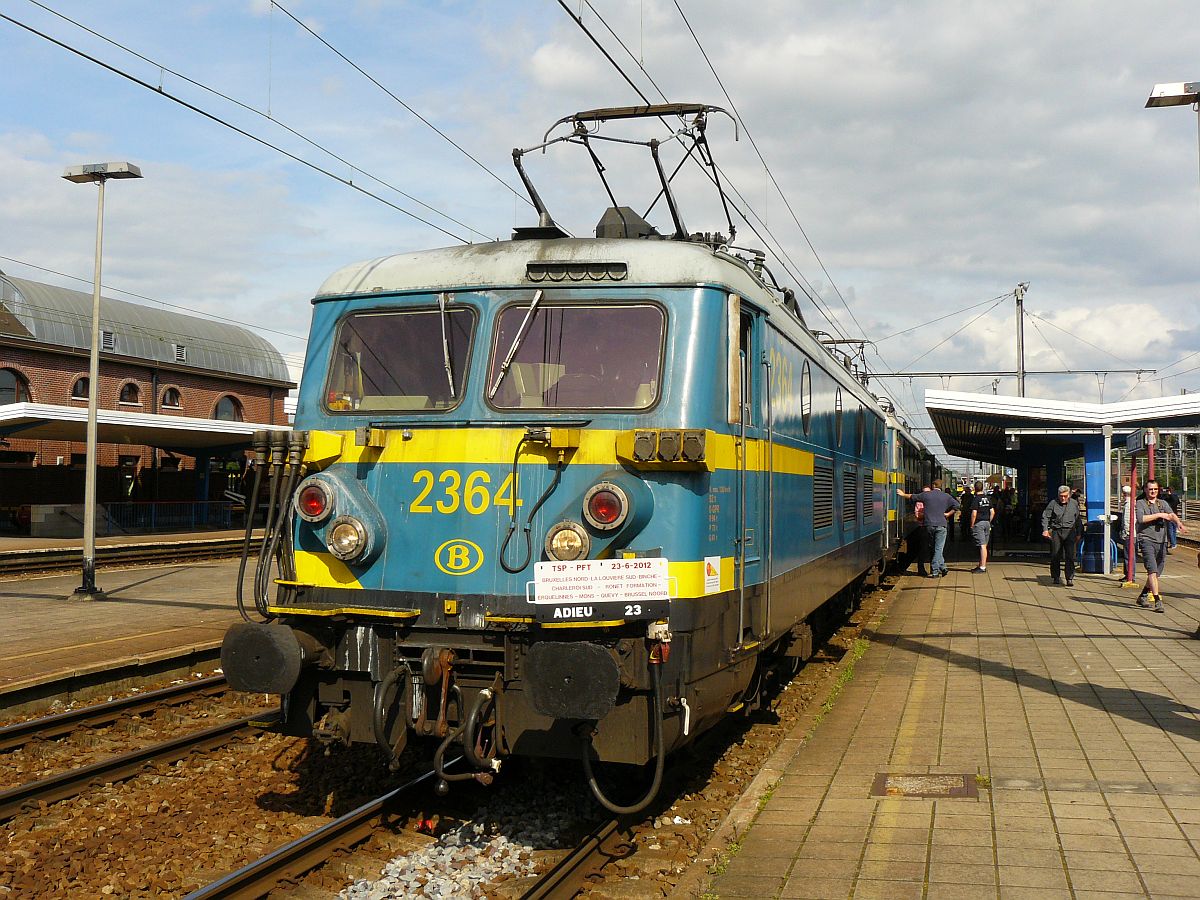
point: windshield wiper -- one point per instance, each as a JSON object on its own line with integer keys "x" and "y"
{"x": 516, "y": 344}
{"x": 446, "y": 345}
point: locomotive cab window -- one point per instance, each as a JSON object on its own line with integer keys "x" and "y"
{"x": 400, "y": 360}
{"x": 577, "y": 357}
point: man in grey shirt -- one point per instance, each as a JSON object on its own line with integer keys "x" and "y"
{"x": 1060, "y": 523}
{"x": 938, "y": 505}
{"x": 1152, "y": 516}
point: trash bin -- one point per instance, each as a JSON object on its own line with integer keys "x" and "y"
{"x": 1093, "y": 547}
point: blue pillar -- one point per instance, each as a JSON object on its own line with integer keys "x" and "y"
{"x": 1093, "y": 467}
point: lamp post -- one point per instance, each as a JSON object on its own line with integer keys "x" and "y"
{"x": 1178, "y": 93}
{"x": 98, "y": 173}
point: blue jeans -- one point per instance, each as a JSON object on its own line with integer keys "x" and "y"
{"x": 1172, "y": 531}
{"x": 937, "y": 539}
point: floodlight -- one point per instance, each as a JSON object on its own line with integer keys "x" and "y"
{"x": 1177, "y": 93}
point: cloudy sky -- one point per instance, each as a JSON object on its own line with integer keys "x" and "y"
{"x": 935, "y": 155}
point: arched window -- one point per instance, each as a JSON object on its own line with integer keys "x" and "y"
{"x": 229, "y": 410}
{"x": 79, "y": 390}
{"x": 171, "y": 399}
{"x": 130, "y": 394}
{"x": 13, "y": 387}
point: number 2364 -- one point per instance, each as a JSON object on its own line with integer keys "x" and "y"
{"x": 449, "y": 491}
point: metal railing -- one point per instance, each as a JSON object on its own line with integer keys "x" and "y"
{"x": 140, "y": 516}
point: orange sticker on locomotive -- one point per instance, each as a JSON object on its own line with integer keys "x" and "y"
{"x": 458, "y": 557}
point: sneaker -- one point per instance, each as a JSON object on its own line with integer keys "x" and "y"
{"x": 1141, "y": 600}
{"x": 932, "y": 575}
{"x": 977, "y": 570}
{"x": 945, "y": 572}
{"x": 1070, "y": 582}
{"x": 1057, "y": 581}
{"x": 1158, "y": 605}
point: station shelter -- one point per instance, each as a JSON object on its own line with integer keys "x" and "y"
{"x": 1037, "y": 438}
{"x": 178, "y": 399}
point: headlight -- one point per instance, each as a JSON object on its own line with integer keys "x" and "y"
{"x": 567, "y": 541}
{"x": 605, "y": 506}
{"x": 347, "y": 538}
{"x": 314, "y": 501}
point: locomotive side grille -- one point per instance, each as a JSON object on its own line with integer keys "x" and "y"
{"x": 868, "y": 494}
{"x": 822, "y": 483}
{"x": 849, "y": 496}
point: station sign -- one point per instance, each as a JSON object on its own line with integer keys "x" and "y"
{"x": 1142, "y": 439}
{"x": 600, "y": 590}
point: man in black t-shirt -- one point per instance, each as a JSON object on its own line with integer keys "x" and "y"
{"x": 982, "y": 514}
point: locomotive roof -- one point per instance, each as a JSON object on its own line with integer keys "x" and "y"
{"x": 503, "y": 264}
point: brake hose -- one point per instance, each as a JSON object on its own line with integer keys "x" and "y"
{"x": 251, "y": 509}
{"x": 659, "y": 762}
{"x": 512, "y": 522}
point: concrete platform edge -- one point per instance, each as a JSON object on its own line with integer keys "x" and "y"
{"x": 39, "y": 693}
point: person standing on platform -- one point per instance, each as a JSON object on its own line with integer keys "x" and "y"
{"x": 982, "y": 514}
{"x": 1151, "y": 516}
{"x": 967, "y": 500}
{"x": 1060, "y": 523}
{"x": 938, "y": 507}
{"x": 1170, "y": 498}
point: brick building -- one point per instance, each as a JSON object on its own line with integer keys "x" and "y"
{"x": 153, "y": 362}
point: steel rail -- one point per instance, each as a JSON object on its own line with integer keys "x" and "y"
{"x": 123, "y": 766}
{"x": 18, "y": 735}
{"x": 19, "y": 562}
{"x": 565, "y": 878}
{"x": 289, "y": 862}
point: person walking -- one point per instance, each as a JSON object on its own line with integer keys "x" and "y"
{"x": 1060, "y": 523}
{"x": 939, "y": 506}
{"x": 1151, "y": 516}
{"x": 983, "y": 512}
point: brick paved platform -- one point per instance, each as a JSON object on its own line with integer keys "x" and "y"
{"x": 1073, "y": 713}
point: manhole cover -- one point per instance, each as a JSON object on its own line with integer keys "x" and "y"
{"x": 892, "y": 785}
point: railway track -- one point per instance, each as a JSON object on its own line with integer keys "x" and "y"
{"x": 72, "y": 782}
{"x": 12, "y": 737}
{"x": 286, "y": 865}
{"x": 604, "y": 843}
{"x": 57, "y": 559}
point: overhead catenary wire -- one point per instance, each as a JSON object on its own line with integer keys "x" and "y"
{"x": 393, "y": 95}
{"x": 833, "y": 323}
{"x": 787, "y": 203}
{"x": 911, "y": 363}
{"x": 1034, "y": 315}
{"x": 232, "y": 127}
{"x": 251, "y": 109}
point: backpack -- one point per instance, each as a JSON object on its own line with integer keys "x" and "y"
{"x": 919, "y": 511}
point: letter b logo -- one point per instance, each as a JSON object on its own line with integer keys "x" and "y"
{"x": 458, "y": 557}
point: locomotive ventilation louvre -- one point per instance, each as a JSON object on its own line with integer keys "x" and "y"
{"x": 849, "y": 496}
{"x": 822, "y": 496}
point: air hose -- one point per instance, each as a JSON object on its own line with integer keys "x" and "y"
{"x": 659, "y": 762}
{"x": 260, "y": 456}
{"x": 379, "y": 709}
{"x": 530, "y": 435}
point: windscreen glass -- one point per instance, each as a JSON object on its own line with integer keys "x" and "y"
{"x": 577, "y": 357}
{"x": 400, "y": 360}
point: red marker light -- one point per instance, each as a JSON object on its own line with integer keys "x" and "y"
{"x": 604, "y": 507}
{"x": 313, "y": 502}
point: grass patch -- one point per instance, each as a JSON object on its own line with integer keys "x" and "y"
{"x": 721, "y": 864}
{"x": 766, "y": 797}
{"x": 983, "y": 782}
{"x": 856, "y": 651}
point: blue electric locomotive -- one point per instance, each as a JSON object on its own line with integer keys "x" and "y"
{"x": 563, "y": 497}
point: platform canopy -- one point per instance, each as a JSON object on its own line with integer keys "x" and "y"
{"x": 976, "y": 426}
{"x": 47, "y": 422}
